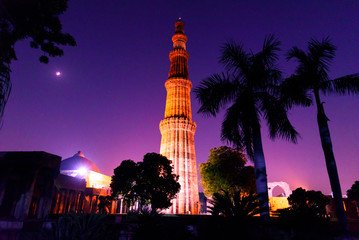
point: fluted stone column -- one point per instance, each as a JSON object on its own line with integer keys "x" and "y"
{"x": 178, "y": 129}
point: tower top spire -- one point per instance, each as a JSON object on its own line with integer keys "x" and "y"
{"x": 179, "y": 26}
{"x": 179, "y": 56}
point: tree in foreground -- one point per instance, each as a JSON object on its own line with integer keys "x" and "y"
{"x": 311, "y": 77}
{"x": 225, "y": 171}
{"x": 157, "y": 184}
{"x": 123, "y": 181}
{"x": 306, "y": 205}
{"x": 37, "y": 20}
{"x": 151, "y": 182}
{"x": 249, "y": 87}
{"x": 353, "y": 193}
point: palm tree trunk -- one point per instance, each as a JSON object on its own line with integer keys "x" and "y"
{"x": 330, "y": 161}
{"x": 261, "y": 173}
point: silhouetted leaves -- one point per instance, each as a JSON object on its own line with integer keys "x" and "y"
{"x": 151, "y": 182}
{"x": 37, "y": 20}
{"x": 236, "y": 205}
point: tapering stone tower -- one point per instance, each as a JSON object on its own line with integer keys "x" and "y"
{"x": 177, "y": 128}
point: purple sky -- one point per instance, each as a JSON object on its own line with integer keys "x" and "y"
{"x": 111, "y": 97}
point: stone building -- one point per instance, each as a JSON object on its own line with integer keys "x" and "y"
{"x": 80, "y": 186}
{"x": 177, "y": 127}
{"x": 27, "y": 181}
{"x": 32, "y": 187}
{"x": 79, "y": 166}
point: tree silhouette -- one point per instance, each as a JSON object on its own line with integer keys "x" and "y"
{"x": 353, "y": 193}
{"x": 308, "y": 204}
{"x": 250, "y": 86}
{"x": 123, "y": 180}
{"x": 311, "y": 77}
{"x": 234, "y": 205}
{"x": 37, "y": 20}
{"x": 151, "y": 182}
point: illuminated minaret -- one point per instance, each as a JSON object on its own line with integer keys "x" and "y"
{"x": 177, "y": 128}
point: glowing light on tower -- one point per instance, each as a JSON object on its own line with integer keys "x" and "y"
{"x": 177, "y": 128}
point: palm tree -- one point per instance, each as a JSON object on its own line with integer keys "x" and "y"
{"x": 311, "y": 77}
{"x": 250, "y": 87}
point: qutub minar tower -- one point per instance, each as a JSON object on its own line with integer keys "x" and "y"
{"x": 177, "y": 128}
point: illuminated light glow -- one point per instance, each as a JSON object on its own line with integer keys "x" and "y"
{"x": 98, "y": 180}
{"x": 278, "y": 203}
{"x": 178, "y": 129}
{"x": 58, "y": 74}
{"x": 82, "y": 171}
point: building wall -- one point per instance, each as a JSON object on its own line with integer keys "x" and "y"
{"x": 276, "y": 203}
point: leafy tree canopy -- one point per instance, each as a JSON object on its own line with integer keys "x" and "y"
{"x": 225, "y": 170}
{"x": 308, "y": 203}
{"x": 37, "y": 20}
{"x": 151, "y": 182}
{"x": 353, "y": 192}
{"x": 124, "y": 178}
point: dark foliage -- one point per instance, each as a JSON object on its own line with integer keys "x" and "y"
{"x": 151, "y": 182}
{"x": 157, "y": 184}
{"x": 305, "y": 206}
{"x": 148, "y": 226}
{"x": 123, "y": 180}
{"x": 353, "y": 193}
{"x": 37, "y": 20}
{"x": 5, "y": 86}
{"x": 89, "y": 226}
{"x": 104, "y": 205}
{"x": 239, "y": 205}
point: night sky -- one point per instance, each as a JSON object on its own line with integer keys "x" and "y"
{"x": 110, "y": 98}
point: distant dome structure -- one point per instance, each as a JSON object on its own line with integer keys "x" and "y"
{"x": 78, "y": 161}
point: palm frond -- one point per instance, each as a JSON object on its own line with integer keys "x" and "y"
{"x": 347, "y": 85}
{"x": 215, "y": 92}
{"x": 276, "y": 117}
{"x": 237, "y": 124}
{"x": 263, "y": 69}
{"x": 234, "y": 58}
{"x": 221, "y": 204}
{"x": 301, "y": 57}
{"x": 321, "y": 52}
{"x": 269, "y": 50}
{"x": 238, "y": 205}
{"x": 294, "y": 91}
{"x": 298, "y": 54}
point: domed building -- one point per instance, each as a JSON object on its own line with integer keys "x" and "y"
{"x": 77, "y": 162}
{"x": 81, "y": 167}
